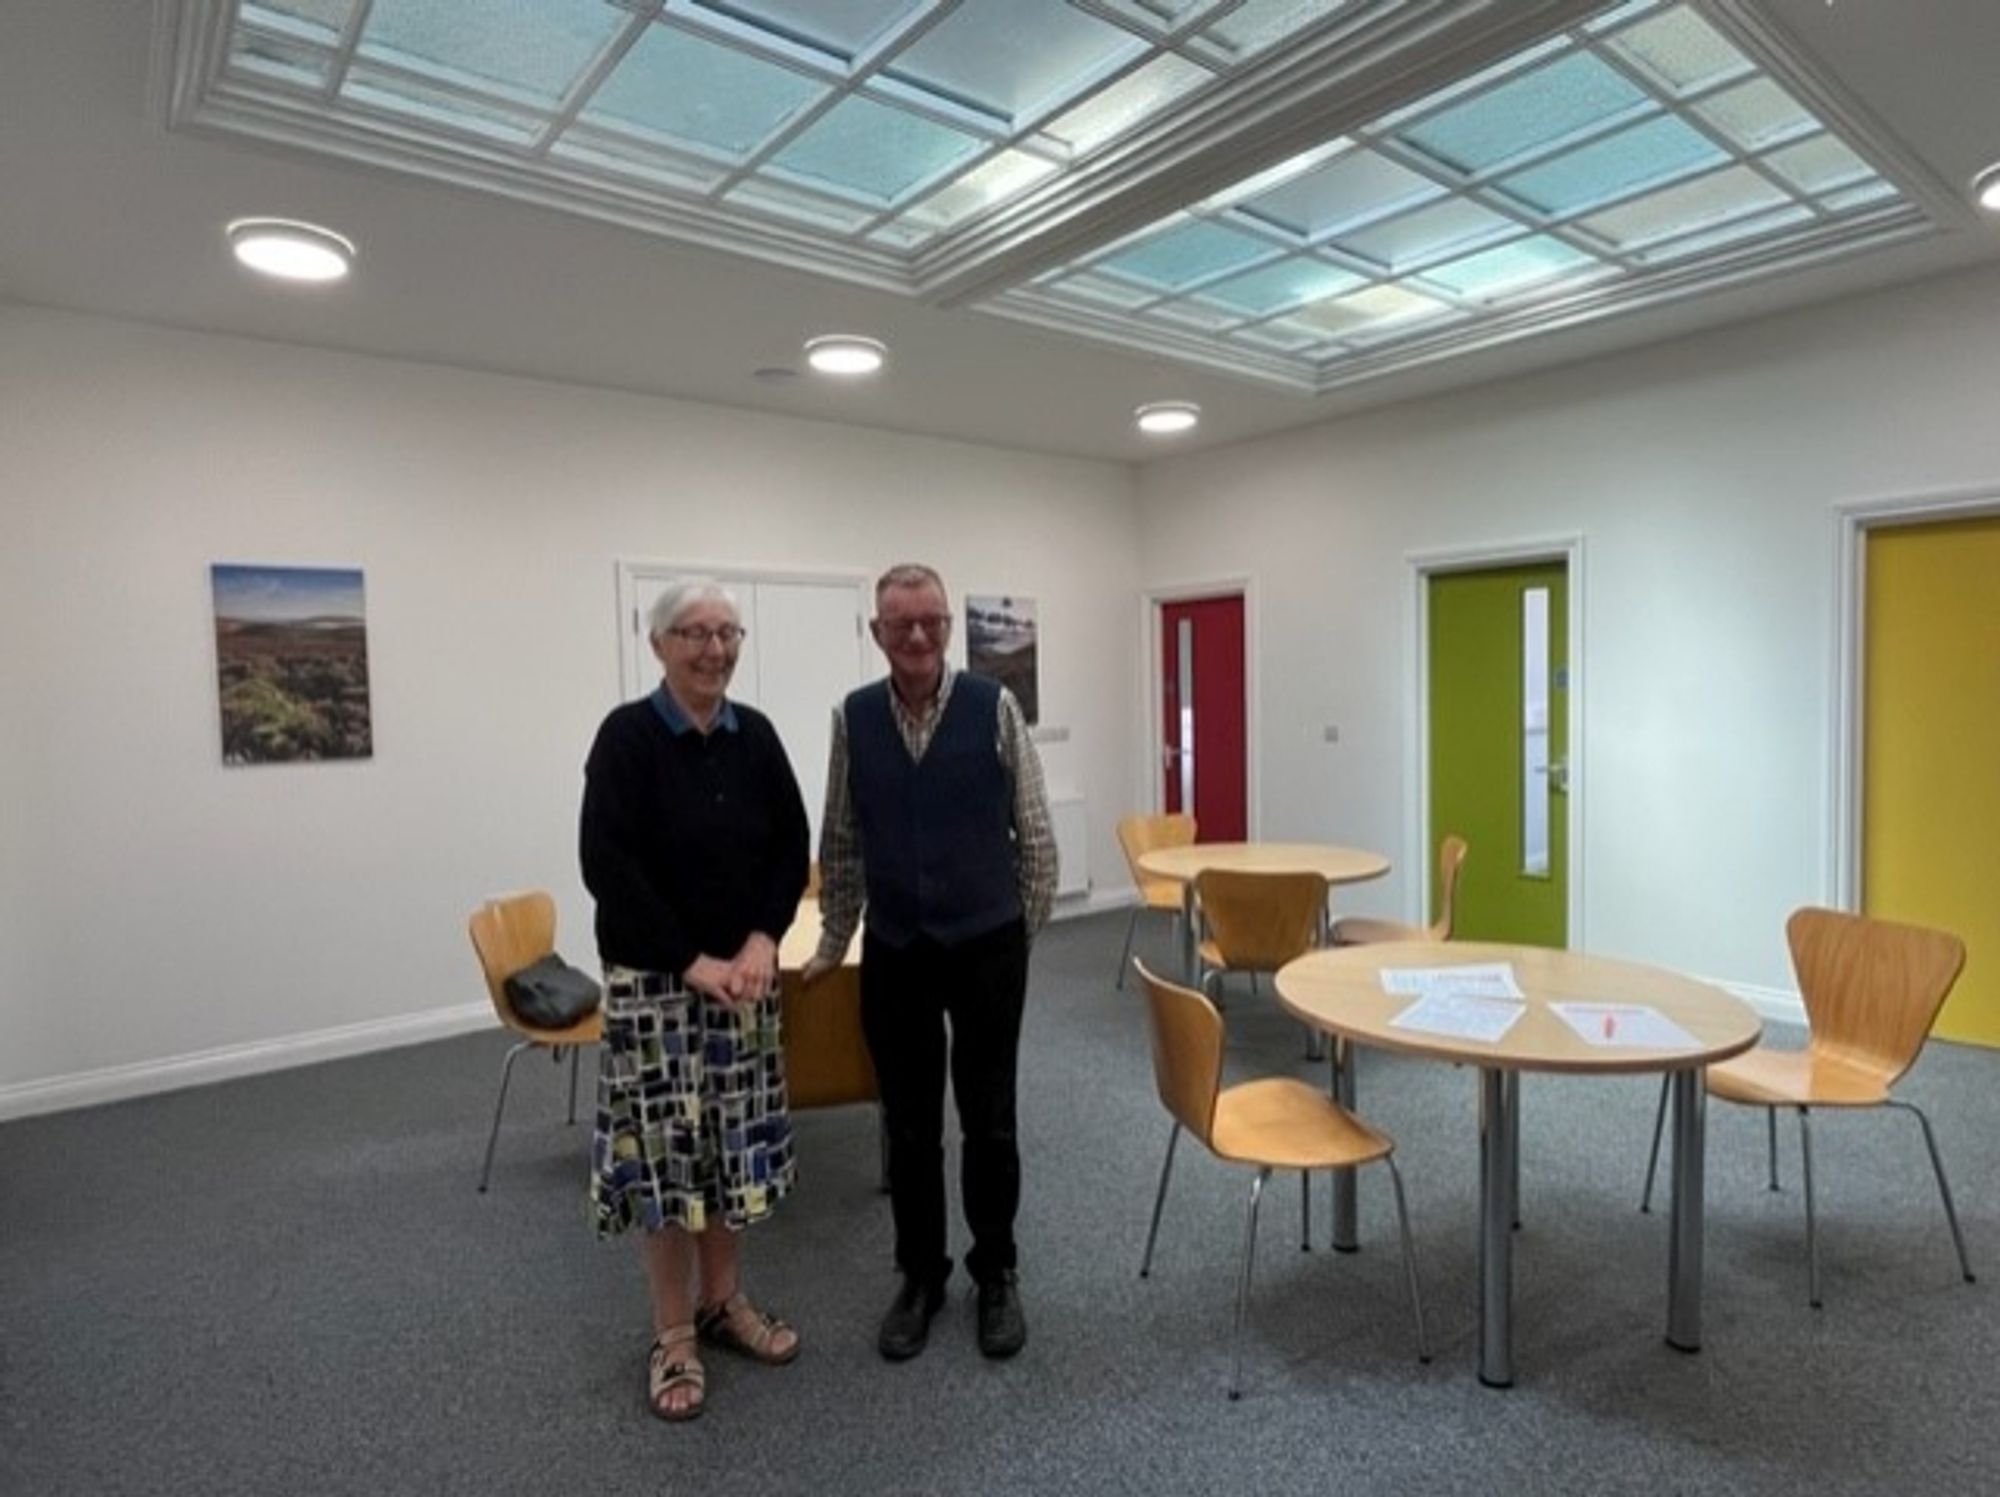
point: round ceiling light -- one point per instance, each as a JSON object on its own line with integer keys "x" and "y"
{"x": 1164, "y": 418}
{"x": 290, "y": 250}
{"x": 1986, "y": 188}
{"x": 845, "y": 354}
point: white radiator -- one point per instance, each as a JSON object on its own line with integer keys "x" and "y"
{"x": 1072, "y": 830}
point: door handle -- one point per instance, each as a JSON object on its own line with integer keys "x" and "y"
{"x": 1559, "y": 777}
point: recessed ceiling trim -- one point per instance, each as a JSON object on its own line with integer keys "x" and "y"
{"x": 1085, "y": 326}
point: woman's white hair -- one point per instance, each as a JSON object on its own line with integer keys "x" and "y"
{"x": 682, "y": 594}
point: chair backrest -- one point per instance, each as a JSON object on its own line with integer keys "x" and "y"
{"x": 1260, "y": 921}
{"x": 508, "y": 932}
{"x": 1451, "y": 857}
{"x": 1871, "y": 987}
{"x": 1139, "y": 834}
{"x": 1187, "y": 1051}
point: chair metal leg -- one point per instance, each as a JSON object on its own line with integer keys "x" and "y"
{"x": 1771, "y": 1137}
{"x": 493, "y": 1137}
{"x": 1159, "y": 1201}
{"x": 575, "y": 1060}
{"x": 1243, "y": 1286}
{"x": 1125, "y": 956}
{"x": 1409, "y": 1259}
{"x": 1653, "y": 1159}
{"x": 1944, "y": 1188}
{"x": 1305, "y": 1211}
{"x": 1812, "y": 1233}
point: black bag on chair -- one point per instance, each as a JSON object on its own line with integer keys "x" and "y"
{"x": 551, "y": 994}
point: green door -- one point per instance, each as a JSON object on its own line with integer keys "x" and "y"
{"x": 1499, "y": 747}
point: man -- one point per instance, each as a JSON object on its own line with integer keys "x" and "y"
{"x": 936, "y": 814}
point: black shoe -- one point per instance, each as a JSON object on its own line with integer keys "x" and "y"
{"x": 907, "y": 1326}
{"x": 1003, "y": 1329}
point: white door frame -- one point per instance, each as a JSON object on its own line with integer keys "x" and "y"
{"x": 1567, "y": 549}
{"x": 1149, "y": 624}
{"x": 1853, "y": 519}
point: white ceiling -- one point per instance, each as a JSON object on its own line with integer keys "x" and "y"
{"x": 102, "y": 209}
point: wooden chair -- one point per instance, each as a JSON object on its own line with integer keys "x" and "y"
{"x": 1138, "y": 835}
{"x": 1361, "y": 930}
{"x": 1256, "y": 922}
{"x": 1872, "y": 989}
{"x": 1278, "y": 1122}
{"x": 509, "y": 932}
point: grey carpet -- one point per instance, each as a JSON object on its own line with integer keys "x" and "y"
{"x": 288, "y": 1285}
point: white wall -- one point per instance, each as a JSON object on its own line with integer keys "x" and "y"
{"x": 1703, "y": 476}
{"x": 155, "y": 905}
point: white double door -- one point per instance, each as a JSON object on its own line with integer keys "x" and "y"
{"x": 806, "y": 648}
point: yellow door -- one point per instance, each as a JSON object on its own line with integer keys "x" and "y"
{"x": 1930, "y": 822}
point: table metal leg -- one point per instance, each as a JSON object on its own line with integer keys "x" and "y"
{"x": 1190, "y": 942}
{"x": 1346, "y": 1236}
{"x": 1690, "y": 1093}
{"x": 1497, "y": 1148}
{"x": 1514, "y": 1150}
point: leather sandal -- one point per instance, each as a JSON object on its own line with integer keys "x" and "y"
{"x": 739, "y": 1326}
{"x": 673, "y": 1366}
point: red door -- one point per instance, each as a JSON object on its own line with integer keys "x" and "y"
{"x": 1203, "y": 739}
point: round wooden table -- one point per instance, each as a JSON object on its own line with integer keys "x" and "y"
{"x": 1341, "y": 991}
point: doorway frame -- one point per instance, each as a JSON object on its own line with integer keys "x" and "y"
{"x": 1431, "y": 562}
{"x": 1853, "y": 520}
{"x": 1150, "y": 603}
{"x": 633, "y": 601}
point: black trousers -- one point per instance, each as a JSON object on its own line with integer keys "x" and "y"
{"x": 928, "y": 1010}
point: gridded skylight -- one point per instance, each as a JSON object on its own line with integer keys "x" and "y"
{"x": 1644, "y": 147}
{"x": 1642, "y": 138}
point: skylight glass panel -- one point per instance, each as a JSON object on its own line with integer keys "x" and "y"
{"x": 1534, "y": 110}
{"x": 873, "y": 150}
{"x": 1720, "y": 195}
{"x": 443, "y": 108}
{"x": 1642, "y": 156}
{"x": 321, "y": 20}
{"x": 991, "y": 182}
{"x": 1008, "y": 59}
{"x": 1511, "y": 268}
{"x": 1254, "y": 26}
{"x": 1680, "y": 51}
{"x": 1756, "y": 114}
{"x": 1100, "y": 289}
{"x": 1377, "y": 305}
{"x": 1426, "y": 234}
{"x": 1742, "y": 231}
{"x": 538, "y": 47}
{"x": 1190, "y": 251}
{"x": 1356, "y": 187}
{"x": 1157, "y": 17}
{"x": 1856, "y": 197}
{"x": 841, "y": 28}
{"x": 679, "y": 86}
{"x": 1819, "y": 165}
{"x": 1114, "y": 109}
{"x": 1282, "y": 285}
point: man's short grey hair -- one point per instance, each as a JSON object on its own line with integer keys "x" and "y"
{"x": 909, "y": 574}
{"x": 682, "y": 594}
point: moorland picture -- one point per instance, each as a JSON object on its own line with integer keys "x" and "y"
{"x": 1000, "y": 642}
{"x": 291, "y": 658}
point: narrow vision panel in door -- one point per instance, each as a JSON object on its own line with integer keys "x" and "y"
{"x": 1204, "y": 738}
{"x": 1499, "y": 747}
{"x": 1930, "y": 820}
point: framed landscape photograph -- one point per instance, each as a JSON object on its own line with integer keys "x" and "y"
{"x": 1000, "y": 642}
{"x": 291, "y": 662}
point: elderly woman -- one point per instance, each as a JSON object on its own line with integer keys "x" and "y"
{"x": 694, "y": 845}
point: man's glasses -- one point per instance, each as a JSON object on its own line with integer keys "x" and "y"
{"x": 933, "y": 624}
{"x": 701, "y": 636}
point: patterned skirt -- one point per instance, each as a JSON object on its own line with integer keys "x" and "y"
{"x": 692, "y": 1121}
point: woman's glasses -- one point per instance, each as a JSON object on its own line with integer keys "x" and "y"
{"x": 701, "y": 636}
